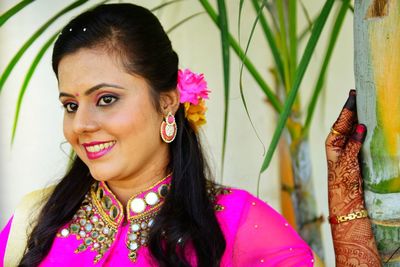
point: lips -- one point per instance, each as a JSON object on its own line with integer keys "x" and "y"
{"x": 95, "y": 150}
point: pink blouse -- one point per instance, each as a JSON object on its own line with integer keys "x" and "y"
{"x": 99, "y": 235}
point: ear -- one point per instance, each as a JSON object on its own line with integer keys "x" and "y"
{"x": 169, "y": 101}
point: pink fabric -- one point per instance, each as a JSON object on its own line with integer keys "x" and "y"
{"x": 256, "y": 235}
{"x": 262, "y": 237}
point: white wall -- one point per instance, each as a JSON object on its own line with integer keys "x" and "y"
{"x": 38, "y": 156}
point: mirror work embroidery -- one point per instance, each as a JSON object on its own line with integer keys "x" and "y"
{"x": 97, "y": 221}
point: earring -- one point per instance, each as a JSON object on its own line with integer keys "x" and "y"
{"x": 168, "y": 128}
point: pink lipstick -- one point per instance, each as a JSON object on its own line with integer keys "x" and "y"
{"x": 95, "y": 150}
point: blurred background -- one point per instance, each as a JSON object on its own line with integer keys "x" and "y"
{"x": 38, "y": 156}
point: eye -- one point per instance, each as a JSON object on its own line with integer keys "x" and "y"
{"x": 70, "y": 107}
{"x": 106, "y": 100}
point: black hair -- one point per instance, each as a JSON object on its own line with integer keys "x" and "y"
{"x": 137, "y": 40}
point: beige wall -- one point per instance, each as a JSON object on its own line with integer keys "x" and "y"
{"x": 38, "y": 156}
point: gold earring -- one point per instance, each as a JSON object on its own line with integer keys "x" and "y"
{"x": 168, "y": 128}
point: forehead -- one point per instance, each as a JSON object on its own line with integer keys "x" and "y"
{"x": 87, "y": 67}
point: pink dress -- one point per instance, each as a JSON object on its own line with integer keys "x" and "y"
{"x": 100, "y": 235}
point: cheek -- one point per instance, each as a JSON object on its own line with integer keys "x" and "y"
{"x": 138, "y": 125}
{"x": 67, "y": 130}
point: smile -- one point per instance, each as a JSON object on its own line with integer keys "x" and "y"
{"x": 96, "y": 150}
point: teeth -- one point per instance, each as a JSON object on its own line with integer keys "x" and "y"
{"x": 97, "y": 148}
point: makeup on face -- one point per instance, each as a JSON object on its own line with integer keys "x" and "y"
{"x": 91, "y": 90}
{"x": 110, "y": 120}
{"x": 97, "y": 149}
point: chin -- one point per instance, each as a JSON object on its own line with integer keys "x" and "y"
{"x": 101, "y": 175}
{"x": 102, "y": 171}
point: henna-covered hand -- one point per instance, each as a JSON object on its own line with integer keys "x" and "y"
{"x": 342, "y": 147}
{"x": 354, "y": 242}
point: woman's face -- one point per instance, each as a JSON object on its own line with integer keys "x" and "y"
{"x": 110, "y": 119}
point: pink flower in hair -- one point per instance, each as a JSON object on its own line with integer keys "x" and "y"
{"x": 192, "y": 87}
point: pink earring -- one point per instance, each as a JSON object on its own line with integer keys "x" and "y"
{"x": 168, "y": 128}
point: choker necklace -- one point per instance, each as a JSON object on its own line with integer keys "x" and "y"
{"x": 98, "y": 219}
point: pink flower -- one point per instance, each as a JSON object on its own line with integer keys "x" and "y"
{"x": 192, "y": 87}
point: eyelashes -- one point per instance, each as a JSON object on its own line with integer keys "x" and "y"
{"x": 70, "y": 107}
{"x": 106, "y": 100}
{"x": 103, "y": 101}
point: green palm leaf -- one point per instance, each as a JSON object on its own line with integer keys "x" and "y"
{"x": 32, "y": 68}
{"x": 258, "y": 17}
{"x": 14, "y": 10}
{"x": 271, "y": 41}
{"x": 30, "y": 41}
{"x": 183, "y": 21}
{"x": 292, "y": 37}
{"x": 224, "y": 30}
{"x": 305, "y": 60}
{"x": 322, "y": 73}
{"x": 240, "y": 18}
{"x": 284, "y": 44}
{"x": 242, "y": 96}
{"x": 28, "y": 77}
{"x": 275, "y": 103}
{"x": 164, "y": 5}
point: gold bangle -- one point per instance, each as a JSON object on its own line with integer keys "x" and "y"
{"x": 349, "y": 217}
{"x": 333, "y": 131}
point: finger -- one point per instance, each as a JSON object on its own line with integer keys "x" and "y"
{"x": 348, "y": 115}
{"x": 334, "y": 146}
{"x": 343, "y": 126}
{"x": 350, "y": 159}
{"x": 355, "y": 142}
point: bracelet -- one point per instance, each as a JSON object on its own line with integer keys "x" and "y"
{"x": 349, "y": 217}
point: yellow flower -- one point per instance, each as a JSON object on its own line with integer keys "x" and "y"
{"x": 196, "y": 114}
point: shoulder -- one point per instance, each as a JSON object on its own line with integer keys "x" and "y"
{"x": 31, "y": 204}
{"x": 273, "y": 239}
{"x": 245, "y": 209}
{"x": 241, "y": 201}
{"x": 235, "y": 206}
{"x": 23, "y": 219}
{"x": 36, "y": 197}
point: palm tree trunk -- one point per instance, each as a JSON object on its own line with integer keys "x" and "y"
{"x": 377, "y": 73}
{"x": 297, "y": 196}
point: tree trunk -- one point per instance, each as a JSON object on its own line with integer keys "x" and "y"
{"x": 377, "y": 73}
{"x": 297, "y": 196}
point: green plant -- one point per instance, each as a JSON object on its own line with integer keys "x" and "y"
{"x": 13, "y": 63}
{"x": 279, "y": 24}
{"x": 278, "y": 20}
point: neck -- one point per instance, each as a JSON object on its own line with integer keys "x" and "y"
{"x": 125, "y": 189}
{"x": 145, "y": 177}
{"x": 151, "y": 171}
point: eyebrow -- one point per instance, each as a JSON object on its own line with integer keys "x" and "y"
{"x": 92, "y": 89}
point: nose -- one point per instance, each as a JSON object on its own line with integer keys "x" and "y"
{"x": 85, "y": 121}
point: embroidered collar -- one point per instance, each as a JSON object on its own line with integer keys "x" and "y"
{"x": 140, "y": 204}
{"x": 97, "y": 220}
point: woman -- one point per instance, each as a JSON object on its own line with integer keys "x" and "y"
{"x": 135, "y": 194}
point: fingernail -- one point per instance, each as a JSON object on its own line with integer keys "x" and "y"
{"x": 351, "y": 101}
{"x": 360, "y": 133}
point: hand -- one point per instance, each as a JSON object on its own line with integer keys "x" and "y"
{"x": 342, "y": 147}
{"x": 353, "y": 240}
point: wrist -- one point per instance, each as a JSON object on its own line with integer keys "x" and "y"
{"x": 351, "y": 216}
{"x": 338, "y": 208}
